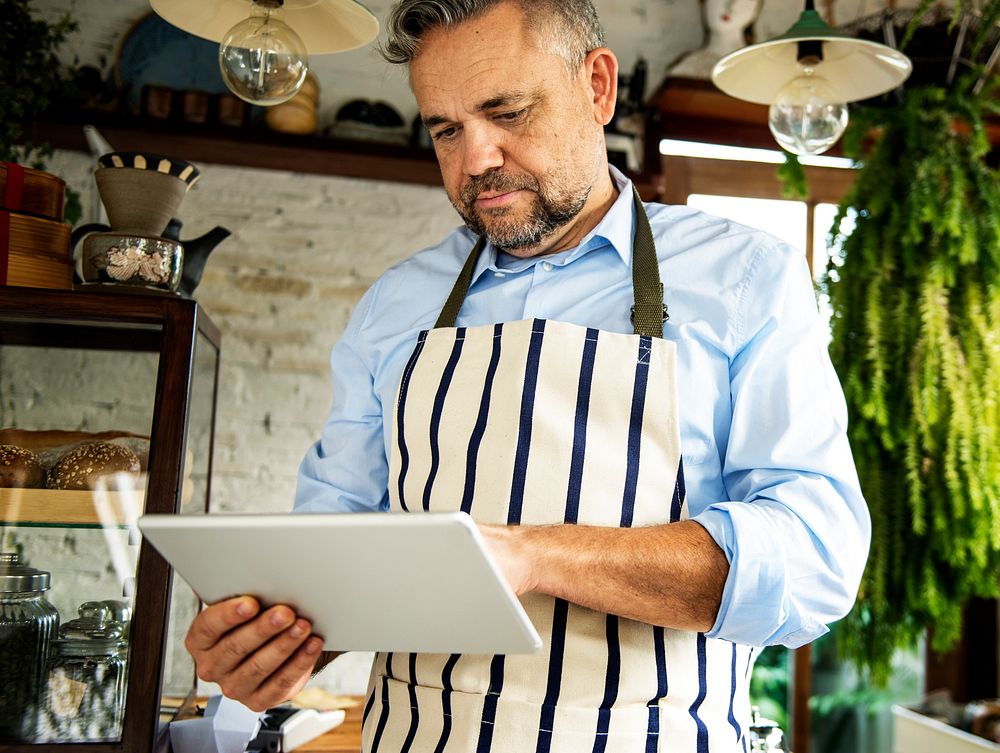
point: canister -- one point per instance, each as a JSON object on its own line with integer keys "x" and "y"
{"x": 28, "y": 623}
{"x": 85, "y": 688}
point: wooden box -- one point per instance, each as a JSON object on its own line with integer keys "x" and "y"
{"x": 34, "y": 252}
{"x": 31, "y": 191}
{"x": 34, "y": 242}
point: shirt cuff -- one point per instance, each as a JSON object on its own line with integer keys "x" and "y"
{"x": 758, "y": 607}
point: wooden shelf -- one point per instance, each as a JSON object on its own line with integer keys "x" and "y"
{"x": 252, "y": 148}
{"x": 56, "y": 507}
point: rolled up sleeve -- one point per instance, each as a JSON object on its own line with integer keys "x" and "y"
{"x": 796, "y": 529}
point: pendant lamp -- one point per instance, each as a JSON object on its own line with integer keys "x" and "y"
{"x": 807, "y": 76}
{"x": 265, "y": 44}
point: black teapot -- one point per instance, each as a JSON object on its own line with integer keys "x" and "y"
{"x": 196, "y": 251}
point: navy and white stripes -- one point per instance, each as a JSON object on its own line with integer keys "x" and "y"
{"x": 537, "y": 423}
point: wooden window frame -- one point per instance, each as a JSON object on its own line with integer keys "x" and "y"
{"x": 683, "y": 176}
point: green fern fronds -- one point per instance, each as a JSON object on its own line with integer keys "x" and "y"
{"x": 916, "y": 340}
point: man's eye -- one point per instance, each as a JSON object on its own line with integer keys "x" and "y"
{"x": 444, "y": 134}
{"x": 511, "y": 117}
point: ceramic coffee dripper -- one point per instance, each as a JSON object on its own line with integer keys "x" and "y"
{"x": 140, "y": 200}
{"x": 141, "y": 193}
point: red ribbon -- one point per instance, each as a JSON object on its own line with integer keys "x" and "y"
{"x": 4, "y": 244}
{"x": 15, "y": 186}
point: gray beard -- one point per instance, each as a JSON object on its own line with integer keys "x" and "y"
{"x": 548, "y": 213}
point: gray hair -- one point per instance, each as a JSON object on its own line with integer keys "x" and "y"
{"x": 570, "y": 28}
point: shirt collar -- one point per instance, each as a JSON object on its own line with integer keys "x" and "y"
{"x": 616, "y": 229}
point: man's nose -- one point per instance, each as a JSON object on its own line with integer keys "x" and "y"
{"x": 482, "y": 150}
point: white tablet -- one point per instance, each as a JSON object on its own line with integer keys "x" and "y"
{"x": 421, "y": 582}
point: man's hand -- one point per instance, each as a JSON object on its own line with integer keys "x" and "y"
{"x": 258, "y": 659}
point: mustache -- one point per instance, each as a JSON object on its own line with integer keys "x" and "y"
{"x": 496, "y": 181}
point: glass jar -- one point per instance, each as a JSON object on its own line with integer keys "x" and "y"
{"x": 85, "y": 689}
{"x": 28, "y": 622}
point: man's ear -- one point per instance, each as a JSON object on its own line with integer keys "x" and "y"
{"x": 601, "y": 69}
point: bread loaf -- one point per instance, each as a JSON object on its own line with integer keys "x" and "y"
{"x": 81, "y": 468}
{"x": 20, "y": 468}
{"x": 50, "y": 445}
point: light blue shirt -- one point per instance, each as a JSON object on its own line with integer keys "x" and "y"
{"x": 767, "y": 465}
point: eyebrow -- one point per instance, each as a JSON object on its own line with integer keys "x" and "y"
{"x": 506, "y": 99}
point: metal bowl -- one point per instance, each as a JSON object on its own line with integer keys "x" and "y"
{"x": 137, "y": 260}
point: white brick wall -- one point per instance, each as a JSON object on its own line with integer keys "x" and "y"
{"x": 303, "y": 251}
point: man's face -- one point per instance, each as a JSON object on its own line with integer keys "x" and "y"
{"x": 516, "y": 136}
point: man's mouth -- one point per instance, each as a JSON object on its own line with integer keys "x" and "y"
{"x": 493, "y": 199}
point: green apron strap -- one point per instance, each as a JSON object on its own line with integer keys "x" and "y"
{"x": 449, "y": 313}
{"x": 648, "y": 313}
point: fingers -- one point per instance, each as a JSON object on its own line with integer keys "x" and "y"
{"x": 289, "y": 679}
{"x": 241, "y": 680}
{"x": 237, "y": 645}
{"x": 258, "y": 658}
{"x": 214, "y": 621}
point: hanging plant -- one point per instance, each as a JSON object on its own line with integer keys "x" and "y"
{"x": 31, "y": 77}
{"x": 915, "y": 293}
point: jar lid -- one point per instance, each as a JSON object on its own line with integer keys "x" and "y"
{"x": 95, "y": 631}
{"x": 18, "y": 578}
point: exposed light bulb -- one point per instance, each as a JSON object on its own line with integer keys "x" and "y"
{"x": 263, "y": 61}
{"x": 807, "y": 116}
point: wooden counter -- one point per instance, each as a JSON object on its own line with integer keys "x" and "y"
{"x": 345, "y": 738}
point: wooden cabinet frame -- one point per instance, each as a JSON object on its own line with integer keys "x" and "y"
{"x": 152, "y": 323}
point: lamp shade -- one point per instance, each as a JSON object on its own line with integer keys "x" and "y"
{"x": 323, "y": 25}
{"x": 855, "y": 68}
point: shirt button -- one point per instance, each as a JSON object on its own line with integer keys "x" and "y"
{"x": 547, "y": 266}
{"x": 498, "y": 274}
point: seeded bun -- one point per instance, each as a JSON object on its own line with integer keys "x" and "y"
{"x": 50, "y": 445}
{"x": 20, "y": 468}
{"x": 82, "y": 467}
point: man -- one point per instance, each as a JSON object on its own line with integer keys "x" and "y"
{"x": 553, "y": 419}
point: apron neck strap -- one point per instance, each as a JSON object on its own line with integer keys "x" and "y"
{"x": 648, "y": 314}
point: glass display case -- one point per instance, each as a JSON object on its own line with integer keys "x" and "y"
{"x": 107, "y": 411}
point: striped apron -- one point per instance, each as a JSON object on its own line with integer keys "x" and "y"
{"x": 541, "y": 422}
